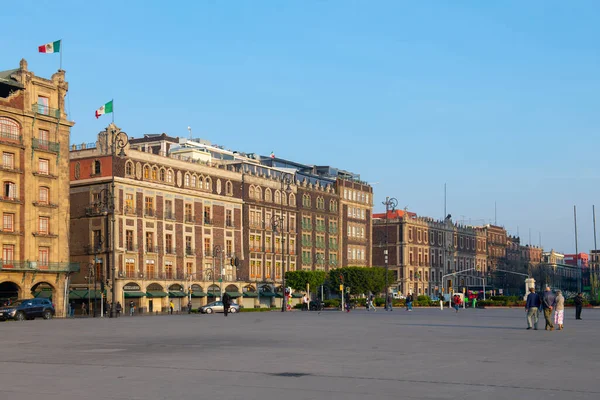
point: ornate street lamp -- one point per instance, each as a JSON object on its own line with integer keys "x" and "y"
{"x": 390, "y": 204}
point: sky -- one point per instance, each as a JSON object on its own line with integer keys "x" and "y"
{"x": 497, "y": 100}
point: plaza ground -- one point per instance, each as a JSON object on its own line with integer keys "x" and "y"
{"x": 425, "y": 354}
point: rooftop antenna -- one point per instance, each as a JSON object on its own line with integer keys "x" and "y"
{"x": 190, "y": 131}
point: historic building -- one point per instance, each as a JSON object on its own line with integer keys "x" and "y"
{"x": 172, "y": 229}
{"x": 496, "y": 238}
{"x": 34, "y": 203}
{"x": 428, "y": 255}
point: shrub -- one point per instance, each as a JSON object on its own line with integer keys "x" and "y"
{"x": 379, "y": 301}
{"x": 335, "y": 303}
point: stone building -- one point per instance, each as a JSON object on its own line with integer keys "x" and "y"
{"x": 34, "y": 203}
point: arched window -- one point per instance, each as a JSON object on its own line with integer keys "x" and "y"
{"x": 251, "y": 192}
{"x": 292, "y": 200}
{"x": 258, "y": 194}
{"x": 284, "y": 198}
{"x": 208, "y": 184}
{"x": 268, "y": 196}
{"x": 9, "y": 190}
{"x": 187, "y": 180}
{"x": 229, "y": 188}
{"x": 277, "y": 197}
{"x": 154, "y": 173}
{"x": 193, "y": 181}
{"x": 200, "y": 182}
{"x": 161, "y": 174}
{"x": 169, "y": 176}
{"x": 97, "y": 167}
{"x": 9, "y": 130}
{"x": 129, "y": 168}
{"x": 146, "y": 172}
{"x": 44, "y": 195}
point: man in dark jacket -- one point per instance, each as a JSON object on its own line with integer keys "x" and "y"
{"x": 548, "y": 301}
{"x": 226, "y": 303}
{"x": 532, "y": 307}
{"x": 578, "y": 305}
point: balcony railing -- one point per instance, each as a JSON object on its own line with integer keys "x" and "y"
{"x": 45, "y": 145}
{"x": 189, "y": 219}
{"x": 10, "y": 199}
{"x": 151, "y": 249}
{"x": 229, "y": 224}
{"x": 208, "y": 221}
{"x": 149, "y": 212}
{"x": 256, "y": 225}
{"x": 95, "y": 210}
{"x": 170, "y": 250}
{"x": 320, "y": 245}
{"x": 45, "y": 234}
{"x": 306, "y": 260}
{"x": 130, "y": 210}
{"x": 89, "y": 249}
{"x": 130, "y": 247}
{"x": 39, "y": 266}
{"x": 45, "y": 204}
{"x": 189, "y": 251}
{"x": 306, "y": 243}
{"x": 333, "y": 262}
{"x": 10, "y": 168}
{"x": 169, "y": 215}
{"x": 45, "y": 110}
{"x": 11, "y": 138}
{"x": 10, "y": 232}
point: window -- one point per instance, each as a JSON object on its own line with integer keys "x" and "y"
{"x": 168, "y": 209}
{"x": 207, "y": 251}
{"x": 229, "y": 188}
{"x": 8, "y": 160}
{"x": 43, "y": 223}
{"x": 169, "y": 244}
{"x": 129, "y": 202}
{"x": 150, "y": 268}
{"x": 150, "y": 241}
{"x": 43, "y": 255}
{"x": 97, "y": 167}
{"x": 169, "y": 176}
{"x": 154, "y": 173}
{"x": 187, "y": 180}
{"x": 207, "y": 219}
{"x": 268, "y": 196}
{"x": 9, "y": 129}
{"x": 9, "y": 191}
{"x": 161, "y": 175}
{"x": 208, "y": 184}
{"x": 146, "y": 172}
{"x": 229, "y": 218}
{"x": 8, "y": 222}
{"x": 43, "y": 105}
{"x": 229, "y": 248}
{"x": 193, "y": 181}
{"x": 129, "y": 240}
{"x": 8, "y": 252}
{"x": 129, "y": 168}
{"x": 277, "y": 197}
{"x": 189, "y": 268}
{"x": 188, "y": 212}
{"x": 188, "y": 245}
{"x": 44, "y": 195}
{"x": 130, "y": 267}
{"x": 149, "y": 206}
{"x": 251, "y": 192}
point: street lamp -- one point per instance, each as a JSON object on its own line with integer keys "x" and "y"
{"x": 286, "y": 181}
{"x": 98, "y": 243}
{"x": 216, "y": 254}
{"x": 91, "y": 275}
{"x": 390, "y": 204}
{"x": 277, "y": 224}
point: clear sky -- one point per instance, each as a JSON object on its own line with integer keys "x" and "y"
{"x": 498, "y": 99}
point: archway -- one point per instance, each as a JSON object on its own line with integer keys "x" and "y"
{"x": 213, "y": 292}
{"x": 155, "y": 293}
{"x": 43, "y": 290}
{"x": 9, "y": 291}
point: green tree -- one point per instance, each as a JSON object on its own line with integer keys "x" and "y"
{"x": 297, "y": 280}
{"x": 360, "y": 280}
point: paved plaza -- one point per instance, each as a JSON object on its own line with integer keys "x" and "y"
{"x": 425, "y": 354}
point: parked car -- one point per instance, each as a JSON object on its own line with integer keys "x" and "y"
{"x": 21, "y": 310}
{"x": 217, "y": 306}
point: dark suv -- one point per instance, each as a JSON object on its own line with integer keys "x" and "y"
{"x": 21, "y": 310}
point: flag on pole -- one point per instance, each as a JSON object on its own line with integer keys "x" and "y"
{"x": 105, "y": 109}
{"x": 272, "y": 155}
{"x": 53, "y": 47}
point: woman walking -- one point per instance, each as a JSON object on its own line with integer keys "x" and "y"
{"x": 559, "y": 310}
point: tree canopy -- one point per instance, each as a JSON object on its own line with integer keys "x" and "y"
{"x": 360, "y": 280}
{"x": 297, "y": 280}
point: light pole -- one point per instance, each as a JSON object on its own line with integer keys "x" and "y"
{"x": 216, "y": 254}
{"x": 91, "y": 274}
{"x": 277, "y": 224}
{"x": 286, "y": 180}
{"x": 98, "y": 243}
{"x": 390, "y": 204}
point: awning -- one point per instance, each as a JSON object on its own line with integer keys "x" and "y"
{"x": 234, "y": 294}
{"x": 199, "y": 294}
{"x": 279, "y": 295}
{"x": 77, "y": 294}
{"x": 267, "y": 294}
{"x": 250, "y": 294}
{"x": 156, "y": 294}
{"x": 214, "y": 294}
{"x": 44, "y": 294}
{"x": 297, "y": 295}
{"x": 94, "y": 294}
{"x": 134, "y": 294}
{"x": 177, "y": 294}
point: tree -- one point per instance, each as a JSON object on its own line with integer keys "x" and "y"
{"x": 360, "y": 280}
{"x": 297, "y": 280}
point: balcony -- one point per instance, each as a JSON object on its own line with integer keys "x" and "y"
{"x": 94, "y": 210}
{"x": 189, "y": 219}
{"x": 45, "y": 145}
{"x": 45, "y": 110}
{"x": 189, "y": 252}
{"x": 229, "y": 224}
{"x": 10, "y": 199}
{"x": 89, "y": 249}
{"x": 24, "y": 266}
{"x": 45, "y": 234}
{"x": 11, "y": 139}
{"x": 149, "y": 212}
{"x": 10, "y": 168}
{"x": 44, "y": 174}
{"x": 131, "y": 247}
{"x": 170, "y": 215}
{"x": 130, "y": 210}
{"x": 320, "y": 245}
{"x": 208, "y": 221}
{"x": 44, "y": 204}
{"x": 10, "y": 232}
{"x": 170, "y": 250}
{"x": 151, "y": 249}
{"x": 333, "y": 262}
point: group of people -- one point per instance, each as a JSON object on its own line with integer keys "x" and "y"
{"x": 548, "y": 302}
{"x": 85, "y": 311}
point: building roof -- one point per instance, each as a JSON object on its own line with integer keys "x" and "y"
{"x": 395, "y": 214}
{"x": 7, "y": 79}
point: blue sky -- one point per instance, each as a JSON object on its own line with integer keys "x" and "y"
{"x": 497, "y": 99}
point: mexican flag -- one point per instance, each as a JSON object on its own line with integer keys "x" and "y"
{"x": 105, "y": 109}
{"x": 53, "y": 47}
{"x": 272, "y": 154}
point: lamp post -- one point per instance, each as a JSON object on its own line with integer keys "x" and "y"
{"x": 98, "y": 243}
{"x": 91, "y": 274}
{"x": 216, "y": 254}
{"x": 286, "y": 180}
{"x": 276, "y": 224}
{"x": 390, "y": 204}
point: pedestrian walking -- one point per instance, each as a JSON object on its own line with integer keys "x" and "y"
{"x": 532, "y": 308}
{"x": 441, "y": 298}
{"x": 390, "y": 299}
{"x": 171, "y": 307}
{"x": 119, "y": 308}
{"x": 72, "y": 309}
{"x": 370, "y": 302}
{"x": 457, "y": 302}
{"x": 189, "y": 307}
{"x": 226, "y": 303}
{"x": 559, "y": 310}
{"x": 578, "y": 305}
{"x": 409, "y": 301}
{"x": 347, "y": 300}
{"x": 548, "y": 301}
{"x": 83, "y": 309}
{"x": 305, "y": 302}
{"x": 131, "y": 308}
{"x": 474, "y": 301}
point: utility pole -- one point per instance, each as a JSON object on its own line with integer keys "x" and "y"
{"x": 577, "y": 252}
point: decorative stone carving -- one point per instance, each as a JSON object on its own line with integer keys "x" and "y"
{"x": 179, "y": 178}
{"x": 138, "y": 170}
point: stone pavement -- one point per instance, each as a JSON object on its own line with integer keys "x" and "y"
{"x": 425, "y": 354}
